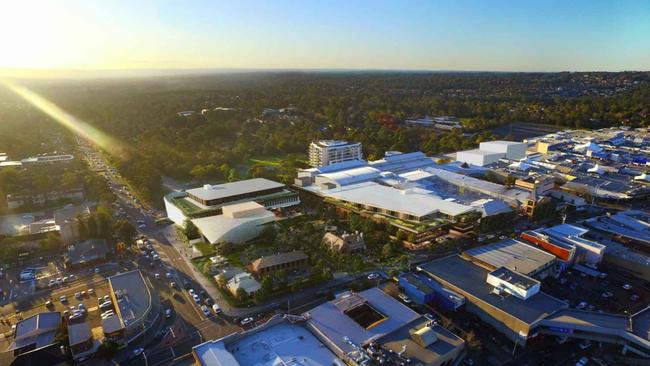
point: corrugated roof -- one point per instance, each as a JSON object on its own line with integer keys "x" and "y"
{"x": 281, "y": 258}
{"x": 512, "y": 254}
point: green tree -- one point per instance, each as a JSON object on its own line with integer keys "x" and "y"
{"x": 107, "y": 350}
{"x": 125, "y": 231}
{"x": 242, "y": 295}
{"x": 51, "y": 242}
{"x": 191, "y": 231}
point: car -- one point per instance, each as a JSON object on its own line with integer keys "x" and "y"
{"x": 59, "y": 280}
{"x": 469, "y": 362}
{"x": 72, "y": 277}
{"x": 373, "y": 276}
{"x": 246, "y": 321}
{"x": 136, "y": 352}
{"x": 107, "y": 298}
{"x": 561, "y": 339}
{"x": 77, "y": 295}
{"x": 169, "y": 275}
{"x": 72, "y": 308}
{"x": 582, "y": 361}
{"x": 216, "y": 308}
{"x": 66, "y": 313}
{"x": 208, "y": 301}
{"x": 599, "y": 361}
{"x": 81, "y": 306}
{"x": 634, "y": 297}
{"x": 627, "y": 286}
{"x": 607, "y": 295}
{"x": 157, "y": 276}
{"x": 48, "y": 303}
{"x": 168, "y": 313}
{"x": 205, "y": 310}
{"x": 51, "y": 283}
{"x": 91, "y": 292}
{"x": 196, "y": 298}
{"x": 65, "y": 279}
{"x": 96, "y": 269}
{"x": 187, "y": 285}
{"x": 582, "y": 305}
{"x": 142, "y": 226}
{"x": 173, "y": 284}
{"x": 83, "y": 293}
{"x": 63, "y": 298}
{"x": 404, "y": 298}
{"x": 75, "y": 315}
{"x": 191, "y": 292}
{"x": 585, "y": 344}
{"x": 107, "y": 314}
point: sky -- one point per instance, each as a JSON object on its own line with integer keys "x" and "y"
{"x": 494, "y": 35}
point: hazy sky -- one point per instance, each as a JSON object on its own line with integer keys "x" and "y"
{"x": 439, "y": 35}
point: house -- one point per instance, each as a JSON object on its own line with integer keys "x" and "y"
{"x": 243, "y": 281}
{"x": 346, "y": 243}
{"x": 288, "y": 261}
{"x": 35, "y": 340}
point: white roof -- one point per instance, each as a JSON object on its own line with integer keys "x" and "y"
{"x": 211, "y": 192}
{"x": 479, "y": 152}
{"x": 502, "y": 142}
{"x": 405, "y": 201}
{"x": 353, "y": 175}
{"x": 214, "y": 228}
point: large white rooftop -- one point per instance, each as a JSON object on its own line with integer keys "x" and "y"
{"x": 414, "y": 203}
{"x": 212, "y": 192}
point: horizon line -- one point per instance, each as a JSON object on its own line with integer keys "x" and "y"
{"x": 60, "y": 73}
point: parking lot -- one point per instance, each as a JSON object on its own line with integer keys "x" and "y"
{"x": 617, "y": 293}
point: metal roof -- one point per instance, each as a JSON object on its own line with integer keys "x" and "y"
{"x": 469, "y": 280}
{"x": 514, "y": 255}
{"x": 38, "y": 330}
{"x": 211, "y": 192}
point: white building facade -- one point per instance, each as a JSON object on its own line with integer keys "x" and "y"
{"x": 326, "y": 152}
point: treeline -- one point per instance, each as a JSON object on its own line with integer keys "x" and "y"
{"x": 354, "y": 106}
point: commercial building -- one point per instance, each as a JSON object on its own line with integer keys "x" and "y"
{"x": 327, "y": 152}
{"x": 510, "y": 302}
{"x": 81, "y": 341}
{"x": 137, "y": 309}
{"x": 515, "y": 256}
{"x": 362, "y": 328}
{"x": 35, "y": 340}
{"x": 479, "y": 157}
{"x": 347, "y": 243}
{"x": 512, "y": 150}
{"x": 424, "y": 290}
{"x": 568, "y": 243}
{"x": 66, "y": 220}
{"x": 280, "y": 341}
{"x": 86, "y": 254}
{"x": 238, "y": 223}
{"x": 631, "y": 228}
{"x": 287, "y": 261}
{"x": 209, "y": 200}
{"x": 492, "y": 151}
{"x": 47, "y": 159}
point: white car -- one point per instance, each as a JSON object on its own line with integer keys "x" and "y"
{"x": 404, "y": 298}
{"x": 205, "y": 310}
{"x": 627, "y": 286}
{"x": 157, "y": 276}
{"x": 191, "y": 292}
{"x": 63, "y": 298}
{"x": 196, "y": 298}
{"x": 216, "y": 308}
{"x": 91, "y": 291}
{"x": 582, "y": 361}
{"x": 246, "y": 321}
{"x": 373, "y": 276}
{"x": 168, "y": 313}
{"x": 77, "y": 295}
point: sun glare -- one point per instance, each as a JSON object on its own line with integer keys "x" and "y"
{"x": 81, "y": 128}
